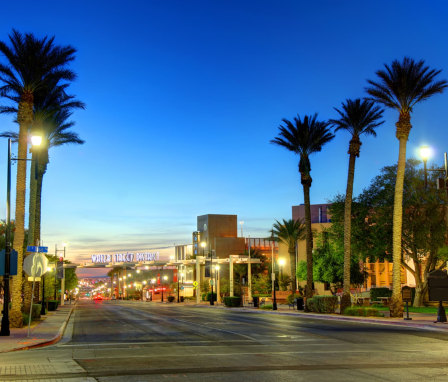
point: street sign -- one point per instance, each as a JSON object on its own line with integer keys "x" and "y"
{"x": 12, "y": 263}
{"x": 31, "y": 248}
{"x": 35, "y": 265}
{"x": 42, "y": 249}
{"x": 406, "y": 293}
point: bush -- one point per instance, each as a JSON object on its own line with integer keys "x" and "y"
{"x": 262, "y": 295}
{"x": 203, "y": 296}
{"x": 322, "y": 304}
{"x": 209, "y": 296}
{"x": 35, "y": 311}
{"x": 25, "y": 317}
{"x": 375, "y": 293}
{"x": 266, "y": 307}
{"x": 232, "y": 301}
{"x": 363, "y": 311}
{"x": 171, "y": 298}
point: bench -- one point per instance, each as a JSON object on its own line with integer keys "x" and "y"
{"x": 292, "y": 305}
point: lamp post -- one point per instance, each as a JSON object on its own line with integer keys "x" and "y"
{"x": 212, "y": 299}
{"x": 4, "y": 330}
{"x": 56, "y": 250}
{"x": 274, "y": 302}
{"x": 163, "y": 283}
{"x": 218, "y": 299}
{"x": 425, "y": 153}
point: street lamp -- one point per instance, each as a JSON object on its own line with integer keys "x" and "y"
{"x": 163, "y": 283}
{"x": 425, "y": 153}
{"x": 281, "y": 263}
{"x": 4, "y": 331}
{"x": 217, "y": 282}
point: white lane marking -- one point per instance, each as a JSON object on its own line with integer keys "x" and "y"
{"x": 187, "y": 343}
{"x": 251, "y": 353}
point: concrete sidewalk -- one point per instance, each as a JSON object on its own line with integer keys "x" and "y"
{"x": 46, "y": 332}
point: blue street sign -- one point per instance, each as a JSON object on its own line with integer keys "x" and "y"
{"x": 42, "y": 249}
{"x": 31, "y": 248}
{"x": 12, "y": 263}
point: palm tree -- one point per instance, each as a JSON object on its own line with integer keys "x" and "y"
{"x": 32, "y": 64}
{"x": 305, "y": 137}
{"x": 290, "y": 232}
{"x": 401, "y": 86}
{"x": 358, "y": 117}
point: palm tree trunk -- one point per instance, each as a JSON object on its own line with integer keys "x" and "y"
{"x": 309, "y": 241}
{"x": 346, "y": 299}
{"x": 42, "y": 169}
{"x": 396, "y": 305}
{"x": 24, "y": 117}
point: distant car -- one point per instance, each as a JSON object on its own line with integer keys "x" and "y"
{"x": 98, "y": 298}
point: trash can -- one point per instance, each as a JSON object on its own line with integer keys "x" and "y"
{"x": 256, "y": 302}
{"x": 181, "y": 298}
{"x": 299, "y": 303}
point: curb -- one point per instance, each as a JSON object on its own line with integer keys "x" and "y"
{"x": 337, "y": 318}
{"x": 49, "y": 342}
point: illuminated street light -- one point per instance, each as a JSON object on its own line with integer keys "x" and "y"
{"x": 281, "y": 262}
{"x": 129, "y": 275}
{"x": 425, "y": 154}
{"x": 138, "y": 270}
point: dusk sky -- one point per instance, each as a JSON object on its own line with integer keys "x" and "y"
{"x": 183, "y": 98}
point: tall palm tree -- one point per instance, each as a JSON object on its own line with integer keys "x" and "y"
{"x": 32, "y": 64}
{"x": 290, "y": 232}
{"x": 305, "y": 137}
{"x": 401, "y": 86}
{"x": 358, "y": 117}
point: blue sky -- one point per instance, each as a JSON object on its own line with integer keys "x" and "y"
{"x": 183, "y": 98}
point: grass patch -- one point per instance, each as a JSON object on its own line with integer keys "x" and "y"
{"x": 266, "y": 307}
{"x": 420, "y": 309}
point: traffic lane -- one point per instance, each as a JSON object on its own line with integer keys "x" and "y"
{"x": 102, "y": 323}
{"x": 273, "y": 346}
{"x": 349, "y": 331}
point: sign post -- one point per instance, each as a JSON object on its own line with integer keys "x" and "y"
{"x": 34, "y": 265}
{"x": 406, "y": 294}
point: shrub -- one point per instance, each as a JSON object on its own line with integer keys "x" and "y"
{"x": 266, "y": 307}
{"x": 170, "y": 298}
{"x": 363, "y": 311}
{"x": 232, "y": 301}
{"x": 35, "y": 311}
{"x": 322, "y": 304}
{"x": 209, "y": 296}
{"x": 262, "y": 295}
{"x": 375, "y": 293}
{"x": 203, "y": 296}
{"x": 25, "y": 318}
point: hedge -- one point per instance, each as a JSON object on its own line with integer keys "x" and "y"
{"x": 375, "y": 293}
{"x": 232, "y": 301}
{"x": 363, "y": 311}
{"x": 35, "y": 311}
{"x": 322, "y": 304}
{"x": 209, "y": 296}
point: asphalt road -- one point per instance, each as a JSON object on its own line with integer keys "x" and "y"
{"x": 136, "y": 341}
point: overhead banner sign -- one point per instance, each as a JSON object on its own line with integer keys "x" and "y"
{"x": 125, "y": 257}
